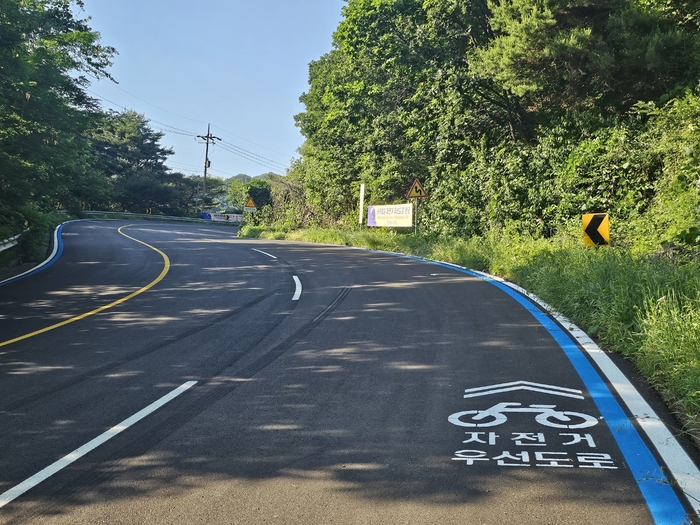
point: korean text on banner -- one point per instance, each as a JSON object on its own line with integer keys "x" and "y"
{"x": 390, "y": 216}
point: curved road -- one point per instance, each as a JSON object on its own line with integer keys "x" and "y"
{"x": 298, "y": 383}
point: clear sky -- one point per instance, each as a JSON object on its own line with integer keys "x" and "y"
{"x": 240, "y": 65}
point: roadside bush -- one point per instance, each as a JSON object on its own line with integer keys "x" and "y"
{"x": 669, "y": 353}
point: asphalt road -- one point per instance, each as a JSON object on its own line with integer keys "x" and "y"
{"x": 371, "y": 397}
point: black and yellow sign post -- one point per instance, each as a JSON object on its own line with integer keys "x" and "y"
{"x": 417, "y": 191}
{"x": 596, "y": 229}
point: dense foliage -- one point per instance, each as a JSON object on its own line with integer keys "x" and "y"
{"x": 44, "y": 111}
{"x": 520, "y": 111}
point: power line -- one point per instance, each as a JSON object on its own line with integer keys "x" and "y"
{"x": 238, "y": 148}
{"x": 158, "y": 107}
{"x": 247, "y": 140}
{"x": 181, "y": 165}
{"x": 106, "y": 99}
{"x": 181, "y": 131}
{"x": 222, "y": 172}
{"x": 173, "y": 128}
{"x": 187, "y": 118}
{"x": 194, "y": 120}
{"x": 229, "y": 147}
{"x": 175, "y": 132}
{"x": 253, "y": 159}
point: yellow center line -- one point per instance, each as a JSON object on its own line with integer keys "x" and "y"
{"x": 166, "y": 268}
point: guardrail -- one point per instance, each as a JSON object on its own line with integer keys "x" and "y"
{"x": 12, "y": 241}
{"x": 9, "y": 243}
{"x": 147, "y": 216}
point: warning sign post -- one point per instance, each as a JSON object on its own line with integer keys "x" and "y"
{"x": 417, "y": 191}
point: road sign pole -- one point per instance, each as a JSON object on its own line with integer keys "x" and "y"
{"x": 415, "y": 222}
{"x": 416, "y": 192}
{"x": 362, "y": 202}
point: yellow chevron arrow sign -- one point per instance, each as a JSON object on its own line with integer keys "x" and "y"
{"x": 596, "y": 229}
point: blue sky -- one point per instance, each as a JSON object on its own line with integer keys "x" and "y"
{"x": 240, "y": 65}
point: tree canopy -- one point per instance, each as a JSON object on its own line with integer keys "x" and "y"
{"x": 503, "y": 109}
{"x": 58, "y": 148}
{"x": 45, "y": 114}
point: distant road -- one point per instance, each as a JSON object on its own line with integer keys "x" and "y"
{"x": 173, "y": 373}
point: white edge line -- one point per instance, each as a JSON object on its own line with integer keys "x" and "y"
{"x": 52, "y": 469}
{"x": 264, "y": 253}
{"x": 682, "y": 468}
{"x": 297, "y": 292}
{"x": 208, "y": 230}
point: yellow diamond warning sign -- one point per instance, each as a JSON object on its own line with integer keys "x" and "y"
{"x": 417, "y": 191}
{"x": 250, "y": 205}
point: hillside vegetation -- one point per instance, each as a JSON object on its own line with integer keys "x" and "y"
{"x": 518, "y": 116}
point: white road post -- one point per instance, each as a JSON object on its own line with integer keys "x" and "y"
{"x": 362, "y": 203}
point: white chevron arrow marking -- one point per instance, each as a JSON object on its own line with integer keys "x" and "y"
{"x": 523, "y": 385}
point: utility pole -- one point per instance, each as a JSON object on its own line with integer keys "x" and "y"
{"x": 207, "y": 138}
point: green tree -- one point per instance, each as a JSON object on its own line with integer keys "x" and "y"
{"x": 127, "y": 151}
{"x": 516, "y": 112}
{"x": 259, "y": 191}
{"x": 606, "y": 55}
{"x": 238, "y": 193}
{"x": 396, "y": 99}
{"x": 46, "y": 55}
{"x": 242, "y": 177}
{"x": 216, "y": 198}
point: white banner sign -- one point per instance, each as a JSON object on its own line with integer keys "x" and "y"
{"x": 226, "y": 217}
{"x": 390, "y": 216}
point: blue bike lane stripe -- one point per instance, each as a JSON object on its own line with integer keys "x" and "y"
{"x": 663, "y": 503}
{"x": 55, "y": 255}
